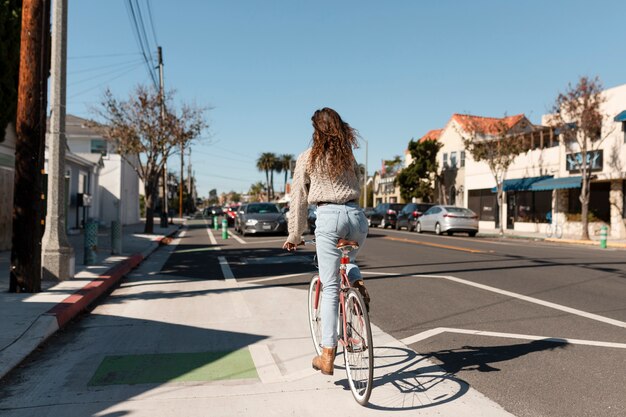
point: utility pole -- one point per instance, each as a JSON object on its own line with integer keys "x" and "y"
{"x": 25, "y": 275}
{"x": 58, "y": 254}
{"x": 164, "y": 207}
{"x": 182, "y": 183}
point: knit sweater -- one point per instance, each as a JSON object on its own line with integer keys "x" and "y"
{"x": 316, "y": 187}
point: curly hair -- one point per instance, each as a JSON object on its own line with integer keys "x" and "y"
{"x": 333, "y": 141}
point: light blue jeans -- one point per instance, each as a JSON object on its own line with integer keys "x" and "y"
{"x": 334, "y": 222}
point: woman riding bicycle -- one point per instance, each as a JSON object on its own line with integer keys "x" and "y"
{"x": 327, "y": 175}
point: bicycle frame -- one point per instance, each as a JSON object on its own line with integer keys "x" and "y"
{"x": 344, "y": 287}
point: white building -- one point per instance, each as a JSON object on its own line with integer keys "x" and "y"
{"x": 541, "y": 184}
{"x": 117, "y": 194}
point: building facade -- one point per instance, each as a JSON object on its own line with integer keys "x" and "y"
{"x": 117, "y": 192}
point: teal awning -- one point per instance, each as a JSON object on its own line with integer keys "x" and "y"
{"x": 520, "y": 184}
{"x": 621, "y": 117}
{"x": 557, "y": 183}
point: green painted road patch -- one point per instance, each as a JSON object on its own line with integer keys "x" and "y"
{"x": 174, "y": 367}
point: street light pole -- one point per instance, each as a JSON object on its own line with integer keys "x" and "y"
{"x": 365, "y": 176}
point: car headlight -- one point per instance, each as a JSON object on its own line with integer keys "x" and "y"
{"x": 251, "y": 222}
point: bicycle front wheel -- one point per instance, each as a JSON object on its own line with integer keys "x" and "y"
{"x": 558, "y": 231}
{"x": 315, "y": 307}
{"x": 358, "y": 351}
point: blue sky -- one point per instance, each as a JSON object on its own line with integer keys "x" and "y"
{"x": 393, "y": 70}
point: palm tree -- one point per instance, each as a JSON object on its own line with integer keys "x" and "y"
{"x": 256, "y": 190}
{"x": 266, "y": 162}
{"x": 285, "y": 163}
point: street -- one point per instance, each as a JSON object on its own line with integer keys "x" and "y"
{"x": 536, "y": 328}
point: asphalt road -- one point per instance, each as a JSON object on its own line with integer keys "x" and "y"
{"x": 538, "y": 328}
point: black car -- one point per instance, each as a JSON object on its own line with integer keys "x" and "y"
{"x": 368, "y": 211}
{"x": 311, "y": 218}
{"x": 385, "y": 214}
{"x": 409, "y": 214}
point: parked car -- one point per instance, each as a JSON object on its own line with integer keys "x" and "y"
{"x": 261, "y": 218}
{"x": 448, "y": 219}
{"x": 368, "y": 211}
{"x": 409, "y": 214}
{"x": 385, "y": 214}
{"x": 230, "y": 212}
{"x": 240, "y": 210}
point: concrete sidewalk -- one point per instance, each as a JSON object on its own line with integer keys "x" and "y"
{"x": 29, "y": 319}
{"x": 565, "y": 239}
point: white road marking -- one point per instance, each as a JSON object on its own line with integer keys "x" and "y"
{"x": 439, "y": 330}
{"x": 256, "y": 280}
{"x": 211, "y": 237}
{"x": 265, "y": 365}
{"x": 226, "y": 271}
{"x": 533, "y": 300}
{"x": 237, "y": 238}
{"x": 526, "y": 298}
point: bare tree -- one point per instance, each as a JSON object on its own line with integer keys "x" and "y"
{"x": 146, "y": 138}
{"x": 579, "y": 119}
{"x": 497, "y": 142}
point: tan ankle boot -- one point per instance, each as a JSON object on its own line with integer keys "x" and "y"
{"x": 326, "y": 361}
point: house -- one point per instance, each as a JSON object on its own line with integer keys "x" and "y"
{"x": 116, "y": 196}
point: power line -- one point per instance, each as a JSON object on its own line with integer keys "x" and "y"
{"x": 143, "y": 43}
{"x": 105, "y": 82}
{"x": 100, "y": 67}
{"x": 102, "y": 56}
{"x": 107, "y": 73}
{"x": 156, "y": 42}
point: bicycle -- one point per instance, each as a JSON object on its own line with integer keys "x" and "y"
{"x": 354, "y": 329}
{"x": 554, "y": 229}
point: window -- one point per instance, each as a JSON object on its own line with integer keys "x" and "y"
{"x": 453, "y": 159}
{"x": 483, "y": 203}
{"x": 624, "y": 130}
{"x": 532, "y": 206}
{"x": 99, "y": 146}
{"x": 462, "y": 159}
{"x": 599, "y": 207}
{"x": 445, "y": 160}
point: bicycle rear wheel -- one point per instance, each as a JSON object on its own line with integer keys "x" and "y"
{"x": 358, "y": 351}
{"x": 315, "y": 307}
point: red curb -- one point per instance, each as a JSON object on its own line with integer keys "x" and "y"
{"x": 67, "y": 309}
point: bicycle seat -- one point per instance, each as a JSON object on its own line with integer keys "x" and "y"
{"x": 343, "y": 243}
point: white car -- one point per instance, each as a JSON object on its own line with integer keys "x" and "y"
{"x": 448, "y": 219}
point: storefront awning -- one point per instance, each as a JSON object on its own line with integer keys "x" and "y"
{"x": 621, "y": 117}
{"x": 557, "y": 183}
{"x": 520, "y": 184}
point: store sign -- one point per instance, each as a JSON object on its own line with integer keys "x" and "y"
{"x": 574, "y": 161}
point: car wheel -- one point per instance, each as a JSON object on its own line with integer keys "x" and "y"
{"x": 437, "y": 229}
{"x": 450, "y": 233}
{"x": 418, "y": 227}
{"x": 472, "y": 234}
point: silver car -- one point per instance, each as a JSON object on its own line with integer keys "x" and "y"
{"x": 260, "y": 218}
{"x": 448, "y": 219}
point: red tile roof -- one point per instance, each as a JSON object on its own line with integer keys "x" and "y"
{"x": 431, "y": 135}
{"x": 485, "y": 124}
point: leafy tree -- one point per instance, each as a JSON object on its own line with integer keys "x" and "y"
{"x": 10, "y": 27}
{"x": 417, "y": 180}
{"x": 267, "y": 163}
{"x": 145, "y": 138}
{"x": 497, "y": 142}
{"x": 579, "y": 119}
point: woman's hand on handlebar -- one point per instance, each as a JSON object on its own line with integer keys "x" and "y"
{"x": 291, "y": 247}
